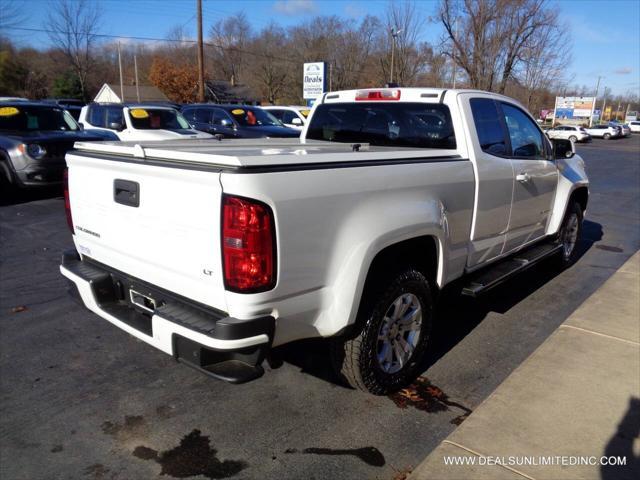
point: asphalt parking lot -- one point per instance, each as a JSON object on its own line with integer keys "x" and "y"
{"x": 82, "y": 399}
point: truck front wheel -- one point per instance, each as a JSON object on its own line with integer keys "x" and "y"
{"x": 385, "y": 352}
{"x": 570, "y": 234}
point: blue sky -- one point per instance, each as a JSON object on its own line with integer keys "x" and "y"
{"x": 605, "y": 33}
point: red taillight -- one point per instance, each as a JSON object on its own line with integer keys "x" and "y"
{"x": 248, "y": 245}
{"x": 67, "y": 200}
{"x": 370, "y": 95}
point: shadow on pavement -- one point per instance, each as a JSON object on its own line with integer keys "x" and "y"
{"x": 456, "y": 315}
{"x": 621, "y": 445}
{"x": 14, "y": 196}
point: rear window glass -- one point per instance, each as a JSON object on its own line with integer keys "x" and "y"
{"x": 384, "y": 124}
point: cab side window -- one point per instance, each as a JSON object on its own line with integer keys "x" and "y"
{"x": 491, "y": 134}
{"x": 526, "y": 139}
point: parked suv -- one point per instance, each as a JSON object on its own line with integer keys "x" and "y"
{"x": 569, "y": 132}
{"x": 138, "y": 121}
{"x": 236, "y": 121}
{"x": 34, "y": 138}
{"x": 625, "y": 131}
{"x": 604, "y": 131}
{"x": 634, "y": 126}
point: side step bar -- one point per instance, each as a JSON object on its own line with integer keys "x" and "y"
{"x": 493, "y": 275}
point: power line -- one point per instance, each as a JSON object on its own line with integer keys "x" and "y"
{"x": 154, "y": 39}
{"x": 181, "y": 41}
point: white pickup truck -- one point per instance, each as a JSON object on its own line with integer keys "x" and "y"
{"x": 215, "y": 252}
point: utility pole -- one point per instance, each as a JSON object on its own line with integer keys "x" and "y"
{"x": 604, "y": 103}
{"x": 200, "y": 55}
{"x": 593, "y": 105}
{"x": 394, "y": 35}
{"x": 120, "y": 68}
{"x": 135, "y": 65}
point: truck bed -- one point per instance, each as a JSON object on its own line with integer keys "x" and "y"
{"x": 255, "y": 153}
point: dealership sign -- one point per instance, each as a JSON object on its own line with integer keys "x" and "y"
{"x": 313, "y": 80}
{"x": 569, "y": 108}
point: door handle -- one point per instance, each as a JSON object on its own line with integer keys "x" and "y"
{"x": 523, "y": 177}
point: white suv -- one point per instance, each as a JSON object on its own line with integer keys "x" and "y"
{"x": 604, "y": 131}
{"x": 138, "y": 122}
{"x": 569, "y": 132}
{"x": 634, "y": 126}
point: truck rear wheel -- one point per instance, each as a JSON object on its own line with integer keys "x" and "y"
{"x": 385, "y": 353}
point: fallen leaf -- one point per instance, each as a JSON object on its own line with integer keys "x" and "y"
{"x": 18, "y": 309}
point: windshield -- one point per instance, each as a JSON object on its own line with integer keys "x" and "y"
{"x": 385, "y": 124}
{"x": 35, "y": 118}
{"x": 157, "y": 118}
{"x": 254, "y": 117}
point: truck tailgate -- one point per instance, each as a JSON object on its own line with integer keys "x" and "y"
{"x": 171, "y": 239}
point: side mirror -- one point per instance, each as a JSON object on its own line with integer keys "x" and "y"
{"x": 115, "y": 126}
{"x": 297, "y": 122}
{"x": 563, "y": 148}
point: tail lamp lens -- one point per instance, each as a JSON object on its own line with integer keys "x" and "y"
{"x": 67, "y": 200}
{"x": 248, "y": 245}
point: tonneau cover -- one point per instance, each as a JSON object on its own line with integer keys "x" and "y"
{"x": 256, "y": 152}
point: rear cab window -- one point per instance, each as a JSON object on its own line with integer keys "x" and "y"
{"x": 405, "y": 124}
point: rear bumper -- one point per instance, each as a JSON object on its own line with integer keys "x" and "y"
{"x": 206, "y": 339}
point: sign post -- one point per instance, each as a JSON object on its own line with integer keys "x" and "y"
{"x": 314, "y": 80}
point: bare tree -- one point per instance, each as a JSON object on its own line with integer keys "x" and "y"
{"x": 270, "y": 71}
{"x": 72, "y": 27}
{"x": 411, "y": 55}
{"x": 544, "y": 59}
{"x": 230, "y": 38}
{"x": 11, "y": 14}
{"x": 491, "y": 36}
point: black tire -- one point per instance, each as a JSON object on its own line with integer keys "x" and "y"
{"x": 573, "y": 139}
{"x": 566, "y": 236}
{"x": 355, "y": 356}
{"x": 7, "y": 184}
{"x": 607, "y": 136}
